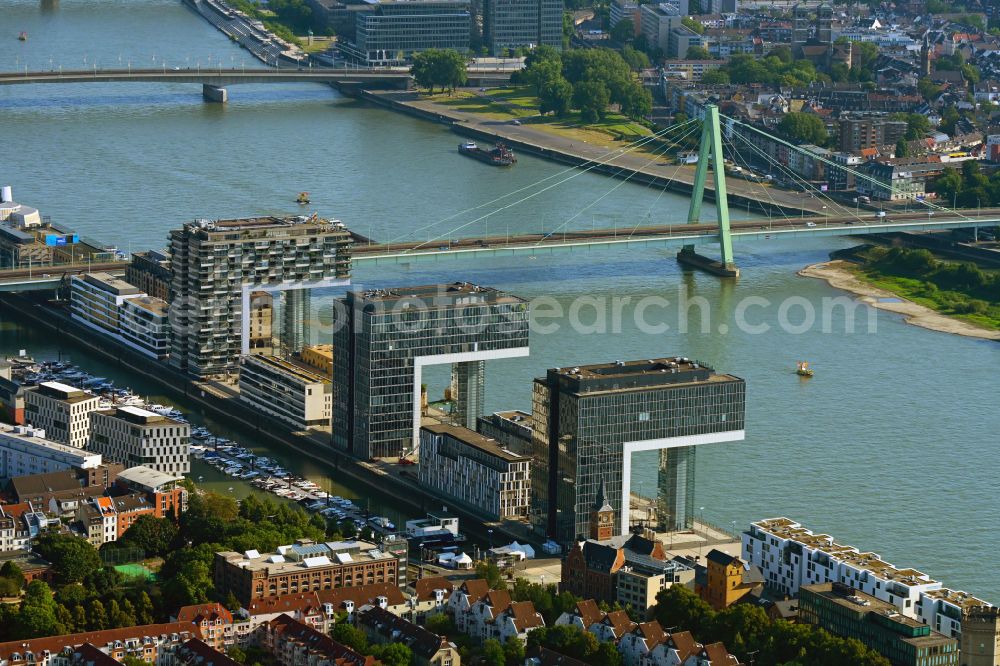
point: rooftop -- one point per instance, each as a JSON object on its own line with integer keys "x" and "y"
{"x": 473, "y": 439}
{"x": 64, "y": 392}
{"x": 151, "y": 304}
{"x": 298, "y": 371}
{"x": 305, "y": 555}
{"x": 213, "y": 229}
{"x": 110, "y": 283}
{"x": 785, "y": 528}
{"x": 437, "y": 295}
{"x": 147, "y": 477}
{"x": 635, "y": 375}
{"x": 139, "y": 416}
{"x": 35, "y": 437}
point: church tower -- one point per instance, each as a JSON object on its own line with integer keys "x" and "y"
{"x": 925, "y": 57}
{"x": 602, "y": 518}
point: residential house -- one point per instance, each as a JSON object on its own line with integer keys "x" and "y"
{"x": 463, "y": 598}
{"x": 730, "y": 580}
{"x": 198, "y": 653}
{"x": 613, "y": 626}
{"x": 430, "y": 596}
{"x": 428, "y": 648}
{"x": 637, "y": 645}
{"x": 214, "y": 622}
{"x": 293, "y": 643}
{"x": 153, "y": 643}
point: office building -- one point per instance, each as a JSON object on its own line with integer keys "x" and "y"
{"x": 590, "y": 420}
{"x": 657, "y": 22}
{"x": 134, "y": 436}
{"x": 216, "y": 264}
{"x": 150, "y": 272}
{"x": 292, "y": 392}
{"x": 512, "y": 24}
{"x": 791, "y": 556}
{"x": 62, "y": 411}
{"x": 511, "y": 429}
{"x": 624, "y": 9}
{"x": 394, "y": 30}
{"x": 387, "y": 338}
{"x": 680, "y": 39}
{"x": 302, "y": 567}
{"x": 475, "y": 471}
{"x": 25, "y": 450}
{"x": 844, "y": 611}
{"x": 96, "y": 299}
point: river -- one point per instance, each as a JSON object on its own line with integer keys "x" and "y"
{"x": 890, "y": 447}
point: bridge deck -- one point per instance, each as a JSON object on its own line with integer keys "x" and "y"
{"x": 219, "y": 77}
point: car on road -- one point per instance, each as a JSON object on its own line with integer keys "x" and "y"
{"x": 880, "y": 214}
{"x": 810, "y": 224}
{"x": 515, "y": 122}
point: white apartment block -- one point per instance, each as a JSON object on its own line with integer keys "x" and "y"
{"x": 791, "y": 556}
{"x": 475, "y": 470}
{"x": 134, "y": 436}
{"x": 24, "y": 450}
{"x": 62, "y": 411}
{"x": 299, "y": 396}
{"x": 96, "y": 298}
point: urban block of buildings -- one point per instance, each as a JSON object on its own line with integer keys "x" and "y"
{"x": 291, "y": 391}
{"x": 135, "y": 436}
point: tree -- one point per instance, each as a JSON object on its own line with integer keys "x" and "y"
{"x": 804, "y": 127}
{"x": 129, "y": 660}
{"x": 441, "y": 624}
{"x": 37, "y": 616}
{"x": 97, "y": 617}
{"x": 236, "y": 653}
{"x": 678, "y": 606}
{"x": 72, "y": 558}
{"x": 394, "y": 654}
{"x": 592, "y": 98}
{"x": 11, "y": 571}
{"x": 698, "y": 53}
{"x": 555, "y": 96}
{"x": 623, "y": 32}
{"x": 144, "y": 609}
{"x": 693, "y": 25}
{"x": 439, "y": 67}
{"x": 902, "y": 150}
{"x": 490, "y": 572}
{"x": 352, "y": 637}
{"x": 153, "y": 535}
{"x": 636, "y": 59}
{"x": 715, "y": 77}
{"x": 513, "y": 651}
{"x": 493, "y": 654}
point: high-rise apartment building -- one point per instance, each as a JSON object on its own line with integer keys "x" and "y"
{"x": 392, "y": 30}
{"x": 62, "y": 411}
{"x": 134, "y": 436}
{"x": 589, "y": 421}
{"x": 217, "y": 263}
{"x": 657, "y": 22}
{"x": 510, "y": 24}
{"x": 386, "y": 339}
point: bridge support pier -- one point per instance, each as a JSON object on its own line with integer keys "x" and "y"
{"x": 711, "y": 150}
{"x": 214, "y": 94}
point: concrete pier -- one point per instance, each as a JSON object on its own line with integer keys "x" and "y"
{"x": 692, "y": 259}
{"x": 214, "y": 94}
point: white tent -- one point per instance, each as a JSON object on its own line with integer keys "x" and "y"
{"x": 516, "y": 550}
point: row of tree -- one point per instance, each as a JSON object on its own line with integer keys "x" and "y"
{"x": 589, "y": 80}
{"x": 969, "y": 187}
{"x": 747, "y": 629}
{"x": 439, "y": 68}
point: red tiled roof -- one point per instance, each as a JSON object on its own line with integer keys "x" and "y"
{"x": 684, "y": 643}
{"x": 589, "y": 612}
{"x": 199, "y": 613}
{"x": 476, "y": 589}
{"x": 425, "y": 587}
{"x": 652, "y": 632}
{"x": 202, "y": 654}
{"x": 297, "y": 632}
{"x": 362, "y": 595}
{"x": 287, "y": 603}
{"x": 719, "y": 655}
{"x": 525, "y": 616}
{"x": 56, "y": 644}
{"x": 620, "y": 622}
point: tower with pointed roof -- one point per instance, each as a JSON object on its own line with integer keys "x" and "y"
{"x": 602, "y": 519}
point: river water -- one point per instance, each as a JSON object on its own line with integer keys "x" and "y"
{"x": 891, "y": 447}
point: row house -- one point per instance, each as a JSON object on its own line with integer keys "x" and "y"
{"x": 613, "y": 627}
{"x": 214, "y": 622}
{"x": 156, "y": 644}
{"x": 429, "y": 649}
{"x": 199, "y": 653}
{"x": 430, "y": 597}
{"x": 483, "y": 613}
{"x": 293, "y": 643}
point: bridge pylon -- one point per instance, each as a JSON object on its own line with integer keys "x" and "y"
{"x": 710, "y": 150}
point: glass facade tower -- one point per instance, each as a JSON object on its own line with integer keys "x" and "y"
{"x": 384, "y": 339}
{"x": 589, "y": 421}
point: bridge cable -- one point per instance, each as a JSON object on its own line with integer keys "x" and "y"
{"x": 795, "y": 178}
{"x": 534, "y": 194}
{"x": 594, "y": 162}
{"x": 656, "y": 156}
{"x": 746, "y": 162}
{"x": 857, "y": 174}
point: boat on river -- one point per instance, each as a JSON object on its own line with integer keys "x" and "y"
{"x": 803, "y": 369}
{"x": 499, "y": 156}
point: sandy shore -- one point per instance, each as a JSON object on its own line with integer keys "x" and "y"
{"x": 838, "y": 277}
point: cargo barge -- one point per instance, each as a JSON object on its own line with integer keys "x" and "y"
{"x": 499, "y": 156}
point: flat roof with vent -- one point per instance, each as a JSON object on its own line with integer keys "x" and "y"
{"x": 635, "y": 375}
